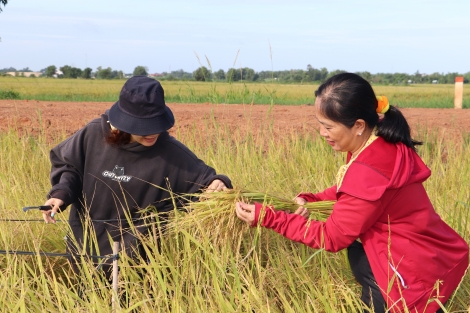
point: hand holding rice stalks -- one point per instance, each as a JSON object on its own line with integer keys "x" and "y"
{"x": 214, "y": 215}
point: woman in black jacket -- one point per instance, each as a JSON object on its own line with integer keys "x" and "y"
{"x": 121, "y": 163}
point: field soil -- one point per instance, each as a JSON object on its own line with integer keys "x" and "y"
{"x": 33, "y": 117}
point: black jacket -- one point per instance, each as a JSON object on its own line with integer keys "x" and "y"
{"x": 110, "y": 184}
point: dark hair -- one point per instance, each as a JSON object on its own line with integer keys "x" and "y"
{"x": 347, "y": 97}
{"x": 118, "y": 138}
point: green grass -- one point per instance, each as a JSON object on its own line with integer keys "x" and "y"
{"x": 50, "y": 89}
{"x": 224, "y": 268}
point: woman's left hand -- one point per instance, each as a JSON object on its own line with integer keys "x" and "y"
{"x": 216, "y": 185}
{"x": 245, "y": 212}
{"x": 302, "y": 212}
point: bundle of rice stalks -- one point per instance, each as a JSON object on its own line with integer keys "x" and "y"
{"x": 213, "y": 216}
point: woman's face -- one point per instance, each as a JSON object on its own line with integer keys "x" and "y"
{"x": 337, "y": 135}
{"x": 148, "y": 140}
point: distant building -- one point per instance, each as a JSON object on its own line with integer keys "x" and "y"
{"x": 155, "y": 75}
{"x": 25, "y": 74}
{"x": 57, "y": 73}
{"x": 435, "y": 81}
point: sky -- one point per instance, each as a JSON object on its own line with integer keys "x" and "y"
{"x": 354, "y": 35}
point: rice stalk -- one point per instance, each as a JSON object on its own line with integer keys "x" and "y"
{"x": 213, "y": 216}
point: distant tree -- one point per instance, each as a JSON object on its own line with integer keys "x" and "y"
{"x": 76, "y": 72}
{"x": 335, "y": 72}
{"x": 450, "y": 77}
{"x": 103, "y": 73}
{"x": 70, "y": 72}
{"x": 66, "y": 71}
{"x": 220, "y": 75}
{"x": 233, "y": 75}
{"x": 7, "y": 69}
{"x": 466, "y": 78}
{"x": 248, "y": 74}
{"x": 186, "y": 76}
{"x": 295, "y": 76}
{"x": 323, "y": 74}
{"x": 366, "y": 75}
{"x": 417, "y": 77}
{"x": 140, "y": 70}
{"x": 26, "y": 69}
{"x": 180, "y": 73}
{"x": 308, "y": 76}
{"x": 400, "y": 78}
{"x": 202, "y": 74}
{"x": 4, "y": 2}
{"x": 434, "y": 77}
{"x": 114, "y": 75}
{"x": 86, "y": 73}
{"x": 50, "y": 70}
{"x": 170, "y": 77}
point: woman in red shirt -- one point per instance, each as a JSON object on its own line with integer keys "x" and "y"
{"x": 383, "y": 215}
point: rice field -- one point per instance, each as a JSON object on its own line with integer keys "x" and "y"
{"x": 411, "y": 96}
{"x": 215, "y": 264}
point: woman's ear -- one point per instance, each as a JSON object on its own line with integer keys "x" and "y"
{"x": 360, "y": 126}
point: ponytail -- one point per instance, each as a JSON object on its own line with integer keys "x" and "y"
{"x": 394, "y": 128}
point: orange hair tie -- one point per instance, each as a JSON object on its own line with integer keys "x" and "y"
{"x": 382, "y": 104}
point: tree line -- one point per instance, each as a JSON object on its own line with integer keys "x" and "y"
{"x": 308, "y": 75}
{"x": 67, "y": 71}
{"x": 315, "y": 75}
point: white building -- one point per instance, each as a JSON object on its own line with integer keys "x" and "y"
{"x": 25, "y": 74}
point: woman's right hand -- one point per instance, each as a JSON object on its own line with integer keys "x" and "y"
{"x": 245, "y": 212}
{"x": 55, "y": 205}
{"x": 300, "y": 201}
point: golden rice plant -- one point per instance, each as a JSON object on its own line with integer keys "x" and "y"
{"x": 213, "y": 216}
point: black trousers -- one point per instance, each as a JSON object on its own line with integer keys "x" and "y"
{"x": 360, "y": 267}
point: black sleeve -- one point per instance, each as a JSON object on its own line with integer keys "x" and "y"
{"x": 211, "y": 176}
{"x": 225, "y": 179}
{"x": 66, "y": 180}
{"x": 66, "y": 169}
{"x": 188, "y": 188}
{"x": 187, "y": 174}
{"x": 185, "y": 164}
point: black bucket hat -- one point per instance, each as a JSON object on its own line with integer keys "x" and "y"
{"x": 141, "y": 109}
